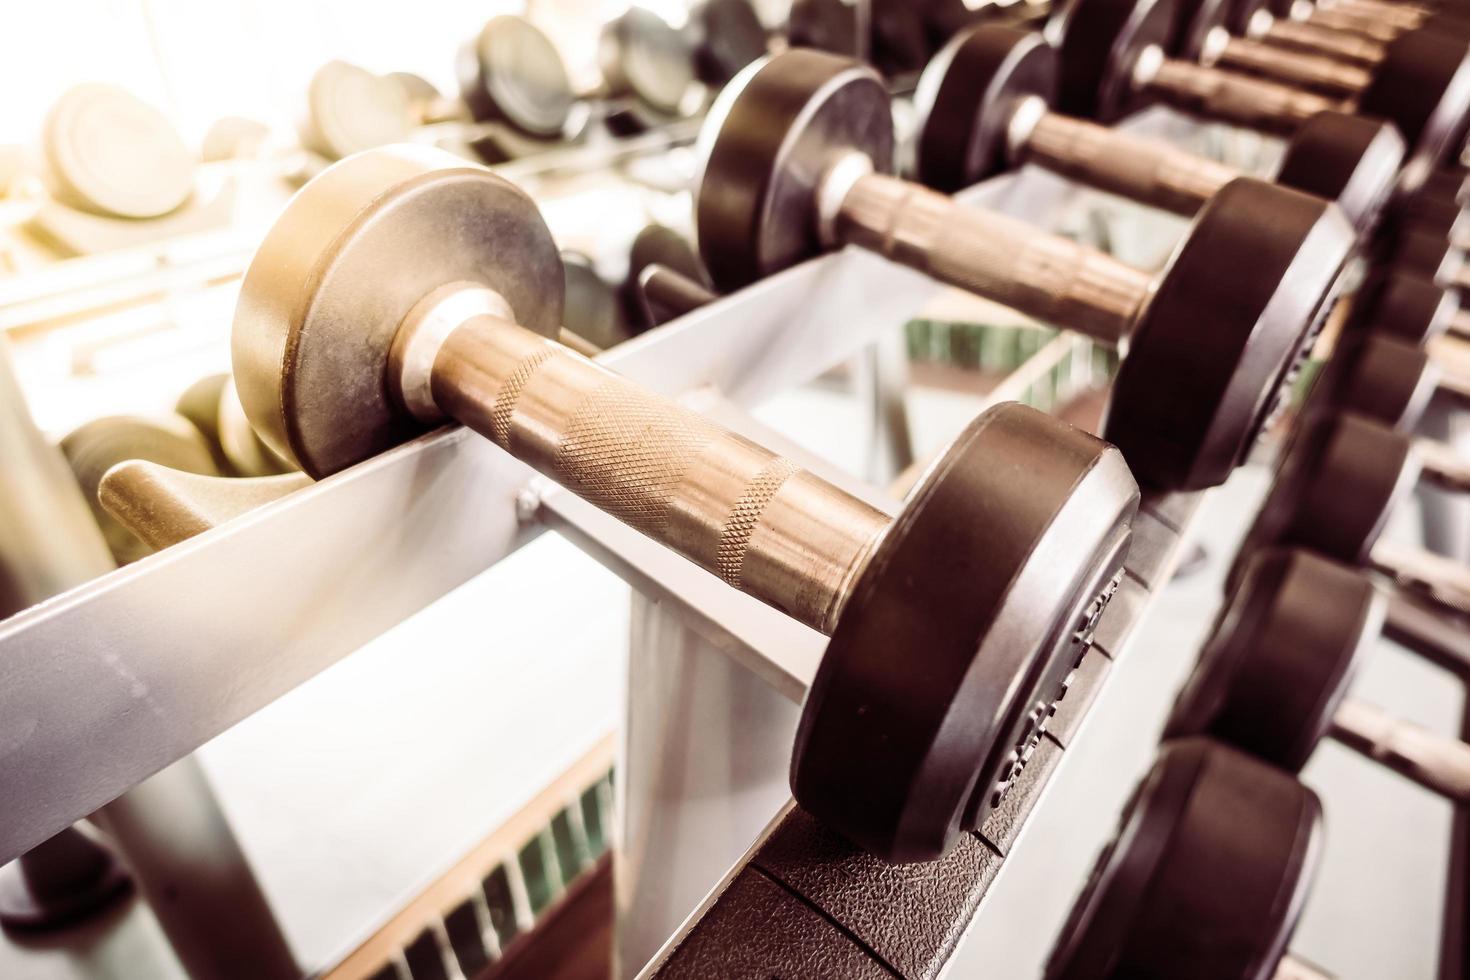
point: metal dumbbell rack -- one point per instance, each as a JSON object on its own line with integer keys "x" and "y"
{"x": 710, "y": 670}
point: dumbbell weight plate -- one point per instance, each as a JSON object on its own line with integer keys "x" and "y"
{"x": 1280, "y": 657}
{"x": 1380, "y": 377}
{"x": 97, "y": 446}
{"x": 332, "y": 299}
{"x": 1206, "y": 877}
{"x": 113, "y": 154}
{"x": 727, "y": 36}
{"x": 1229, "y": 305}
{"x": 966, "y": 98}
{"x": 1334, "y": 490}
{"x": 1101, "y": 41}
{"x": 1423, "y": 85}
{"x": 973, "y": 555}
{"x": 1350, "y": 159}
{"x": 642, "y": 55}
{"x": 513, "y": 73}
{"x": 349, "y": 109}
{"x": 592, "y": 308}
{"x": 657, "y": 245}
{"x": 755, "y": 203}
{"x": 1405, "y": 306}
{"x": 827, "y": 25}
{"x": 199, "y": 403}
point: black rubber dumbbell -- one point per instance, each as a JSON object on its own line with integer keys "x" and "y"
{"x": 1205, "y": 879}
{"x": 1338, "y": 482}
{"x": 798, "y": 150}
{"x": 1273, "y": 677}
{"x": 401, "y": 288}
{"x": 1115, "y": 58}
{"x": 659, "y": 245}
{"x": 985, "y": 106}
{"x": 726, "y": 35}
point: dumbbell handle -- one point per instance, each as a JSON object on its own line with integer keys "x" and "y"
{"x": 1252, "y": 103}
{"x": 1349, "y": 23}
{"x": 1444, "y": 580}
{"x": 755, "y": 519}
{"x": 1439, "y": 764}
{"x": 1297, "y": 68}
{"x": 1153, "y": 172}
{"x": 1404, "y": 16}
{"x": 1313, "y": 37}
{"x": 1051, "y": 278}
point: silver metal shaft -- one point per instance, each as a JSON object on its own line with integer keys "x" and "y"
{"x": 1297, "y": 68}
{"x": 1152, "y": 172}
{"x": 758, "y": 521}
{"x": 1252, "y": 103}
{"x": 1439, "y": 764}
{"x": 995, "y": 256}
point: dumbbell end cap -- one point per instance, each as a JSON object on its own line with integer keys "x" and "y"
{"x": 961, "y": 632}
{"x": 356, "y": 249}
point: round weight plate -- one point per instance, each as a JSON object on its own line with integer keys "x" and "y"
{"x": 200, "y": 405}
{"x": 1101, "y": 41}
{"x": 1345, "y": 158}
{"x": 113, "y": 154}
{"x": 349, "y": 109}
{"x": 94, "y": 448}
{"x": 965, "y": 99}
{"x": 961, "y": 633}
{"x": 657, "y": 245}
{"x": 826, "y": 25}
{"x": 1405, "y": 306}
{"x": 727, "y": 36}
{"x": 1381, "y": 378}
{"x": 1279, "y": 657}
{"x": 1206, "y": 877}
{"x": 900, "y": 38}
{"x": 233, "y": 138}
{"x": 512, "y": 73}
{"x": 1334, "y": 490}
{"x": 352, "y": 253}
{"x": 1423, "y": 86}
{"x": 592, "y": 309}
{"x": 643, "y": 56}
{"x": 1193, "y": 20}
{"x": 1232, "y": 317}
{"x": 246, "y": 454}
{"x": 766, "y": 144}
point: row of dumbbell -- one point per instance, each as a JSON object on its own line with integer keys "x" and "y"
{"x": 995, "y": 581}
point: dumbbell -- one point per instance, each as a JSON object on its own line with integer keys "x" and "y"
{"x": 1336, "y": 485}
{"x": 1353, "y": 31}
{"x": 400, "y": 288}
{"x": 1273, "y": 677}
{"x": 665, "y": 293}
{"x": 512, "y": 73}
{"x": 95, "y": 447}
{"x": 984, "y": 101}
{"x": 213, "y": 407}
{"x": 796, "y": 154}
{"x": 642, "y": 56}
{"x": 592, "y": 309}
{"x": 349, "y": 109}
{"x": 1205, "y": 878}
{"x": 726, "y": 35}
{"x": 659, "y": 245}
{"x": 1389, "y": 381}
{"x": 107, "y": 152}
{"x": 1113, "y": 60}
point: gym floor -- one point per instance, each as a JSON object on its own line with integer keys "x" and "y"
{"x": 350, "y": 790}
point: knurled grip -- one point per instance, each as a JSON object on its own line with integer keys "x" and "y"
{"x": 1308, "y": 36}
{"x": 1000, "y": 258}
{"x": 750, "y": 516}
{"x": 1252, "y": 103}
{"x": 1309, "y": 70}
{"x": 1153, "y": 172}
